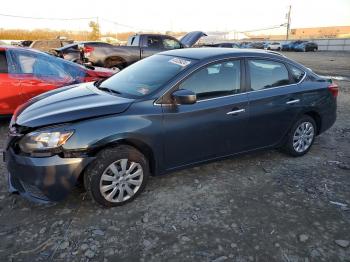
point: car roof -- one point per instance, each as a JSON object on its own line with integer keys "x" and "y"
{"x": 32, "y": 50}
{"x": 12, "y": 47}
{"x": 81, "y": 42}
{"x": 212, "y": 52}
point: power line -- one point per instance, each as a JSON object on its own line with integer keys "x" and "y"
{"x": 47, "y": 18}
{"x": 124, "y": 25}
{"x": 72, "y": 19}
{"x": 262, "y": 29}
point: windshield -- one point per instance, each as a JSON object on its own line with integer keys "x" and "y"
{"x": 146, "y": 76}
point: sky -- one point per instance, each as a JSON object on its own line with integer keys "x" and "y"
{"x": 179, "y": 15}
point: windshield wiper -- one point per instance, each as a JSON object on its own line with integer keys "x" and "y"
{"x": 98, "y": 82}
{"x": 109, "y": 90}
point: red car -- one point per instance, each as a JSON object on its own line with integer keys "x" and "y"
{"x": 25, "y": 73}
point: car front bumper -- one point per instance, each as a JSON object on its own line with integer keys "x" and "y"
{"x": 47, "y": 179}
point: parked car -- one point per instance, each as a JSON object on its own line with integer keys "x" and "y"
{"x": 48, "y": 45}
{"x": 80, "y": 52}
{"x": 245, "y": 44}
{"x": 170, "y": 111}
{"x": 285, "y": 46}
{"x": 25, "y": 73}
{"x": 139, "y": 46}
{"x": 256, "y": 45}
{"x": 306, "y": 46}
{"x": 274, "y": 46}
{"x": 291, "y": 45}
{"x": 25, "y": 43}
{"x": 227, "y": 45}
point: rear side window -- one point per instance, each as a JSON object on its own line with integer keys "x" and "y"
{"x": 297, "y": 74}
{"x": 134, "y": 41}
{"x": 266, "y": 74}
{"x": 3, "y": 63}
{"x": 215, "y": 80}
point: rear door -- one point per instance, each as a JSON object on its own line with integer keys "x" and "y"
{"x": 274, "y": 101}
{"x": 215, "y": 125}
{"x": 38, "y": 73}
{"x": 9, "y": 86}
{"x": 150, "y": 45}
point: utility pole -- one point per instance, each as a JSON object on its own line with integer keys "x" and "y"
{"x": 288, "y": 21}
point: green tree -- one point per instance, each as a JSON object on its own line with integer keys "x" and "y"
{"x": 95, "y": 30}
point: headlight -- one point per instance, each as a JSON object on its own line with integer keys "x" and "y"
{"x": 43, "y": 141}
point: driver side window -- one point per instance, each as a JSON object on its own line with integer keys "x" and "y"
{"x": 38, "y": 66}
{"x": 169, "y": 43}
{"x": 215, "y": 80}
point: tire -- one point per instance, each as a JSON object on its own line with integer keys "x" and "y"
{"x": 306, "y": 138}
{"x": 110, "y": 63}
{"x": 278, "y": 49}
{"x": 107, "y": 180}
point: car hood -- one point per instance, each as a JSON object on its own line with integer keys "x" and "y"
{"x": 191, "y": 38}
{"x": 68, "y": 104}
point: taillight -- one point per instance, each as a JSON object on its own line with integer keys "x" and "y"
{"x": 88, "y": 49}
{"x": 334, "y": 89}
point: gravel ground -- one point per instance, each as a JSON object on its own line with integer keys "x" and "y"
{"x": 264, "y": 206}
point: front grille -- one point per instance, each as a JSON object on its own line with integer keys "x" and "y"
{"x": 34, "y": 191}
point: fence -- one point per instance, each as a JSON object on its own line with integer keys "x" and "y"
{"x": 338, "y": 44}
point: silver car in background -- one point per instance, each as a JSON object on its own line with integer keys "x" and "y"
{"x": 274, "y": 46}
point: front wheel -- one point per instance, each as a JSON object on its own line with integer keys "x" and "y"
{"x": 117, "y": 176}
{"x": 301, "y": 136}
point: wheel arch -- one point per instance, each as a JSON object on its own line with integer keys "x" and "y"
{"x": 315, "y": 116}
{"x": 114, "y": 60}
{"x": 142, "y": 146}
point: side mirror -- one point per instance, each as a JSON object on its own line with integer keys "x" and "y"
{"x": 184, "y": 97}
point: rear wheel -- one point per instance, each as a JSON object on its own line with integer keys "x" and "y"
{"x": 114, "y": 63}
{"x": 301, "y": 136}
{"x": 117, "y": 176}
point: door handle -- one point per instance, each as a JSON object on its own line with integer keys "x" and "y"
{"x": 290, "y": 102}
{"x": 233, "y": 112}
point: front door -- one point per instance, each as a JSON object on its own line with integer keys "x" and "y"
{"x": 212, "y": 127}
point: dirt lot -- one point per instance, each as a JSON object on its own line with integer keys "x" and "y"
{"x": 259, "y": 207}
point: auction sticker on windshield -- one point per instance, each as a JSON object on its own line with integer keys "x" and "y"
{"x": 143, "y": 90}
{"x": 180, "y": 61}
